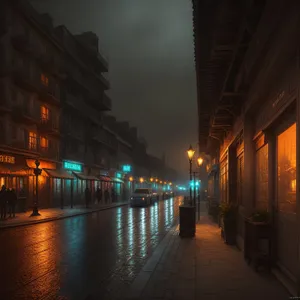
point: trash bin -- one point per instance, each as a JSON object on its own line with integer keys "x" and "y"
{"x": 187, "y": 221}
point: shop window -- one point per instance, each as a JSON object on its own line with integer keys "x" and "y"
{"x": 261, "y": 197}
{"x": 44, "y": 80}
{"x": 224, "y": 180}
{"x": 286, "y": 170}
{"x": 240, "y": 178}
{"x": 45, "y": 113}
{"x": 32, "y": 141}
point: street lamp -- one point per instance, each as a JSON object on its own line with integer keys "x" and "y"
{"x": 200, "y": 161}
{"x": 190, "y": 153}
{"x": 37, "y": 172}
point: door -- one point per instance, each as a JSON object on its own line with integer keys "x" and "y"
{"x": 287, "y": 241}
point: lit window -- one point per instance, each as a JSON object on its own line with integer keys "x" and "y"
{"x": 32, "y": 141}
{"x": 44, "y": 143}
{"x": 44, "y": 80}
{"x": 44, "y": 113}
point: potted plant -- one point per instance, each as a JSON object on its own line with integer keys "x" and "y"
{"x": 228, "y": 215}
{"x": 260, "y": 216}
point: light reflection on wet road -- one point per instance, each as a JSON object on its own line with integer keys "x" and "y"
{"x": 69, "y": 258}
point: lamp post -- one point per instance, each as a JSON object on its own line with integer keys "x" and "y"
{"x": 199, "y": 162}
{"x": 37, "y": 172}
{"x": 190, "y": 153}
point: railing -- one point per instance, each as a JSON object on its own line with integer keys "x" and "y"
{"x": 48, "y": 125}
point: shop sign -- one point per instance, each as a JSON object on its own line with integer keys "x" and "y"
{"x": 118, "y": 175}
{"x": 7, "y": 159}
{"x": 69, "y": 165}
{"x": 126, "y": 168}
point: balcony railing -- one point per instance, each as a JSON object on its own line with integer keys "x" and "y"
{"x": 48, "y": 126}
{"x": 22, "y": 114}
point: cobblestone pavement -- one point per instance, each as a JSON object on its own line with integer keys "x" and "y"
{"x": 75, "y": 258}
{"x": 53, "y": 214}
{"x": 204, "y": 268}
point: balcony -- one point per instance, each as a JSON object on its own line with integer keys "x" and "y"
{"x": 22, "y": 114}
{"x": 49, "y": 153}
{"x": 22, "y": 43}
{"x": 51, "y": 65}
{"x": 106, "y": 103}
{"x": 48, "y": 127}
{"x": 50, "y": 93}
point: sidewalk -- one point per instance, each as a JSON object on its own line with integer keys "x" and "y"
{"x": 202, "y": 268}
{"x": 51, "y": 214}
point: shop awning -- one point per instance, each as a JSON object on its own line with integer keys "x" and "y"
{"x": 58, "y": 174}
{"x": 105, "y": 178}
{"x": 117, "y": 180}
{"x": 85, "y": 177}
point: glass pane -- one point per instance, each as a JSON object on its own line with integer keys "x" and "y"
{"x": 261, "y": 200}
{"x": 286, "y": 170}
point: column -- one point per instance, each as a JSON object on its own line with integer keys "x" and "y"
{"x": 232, "y": 174}
{"x": 248, "y": 188}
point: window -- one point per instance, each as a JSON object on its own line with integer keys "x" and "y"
{"x": 224, "y": 180}
{"x": 44, "y": 113}
{"x": 32, "y": 141}
{"x": 44, "y": 80}
{"x": 286, "y": 170}
{"x": 261, "y": 197}
{"x": 44, "y": 142}
{"x": 240, "y": 178}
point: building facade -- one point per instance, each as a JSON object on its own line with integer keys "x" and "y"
{"x": 30, "y": 100}
{"x": 257, "y": 149}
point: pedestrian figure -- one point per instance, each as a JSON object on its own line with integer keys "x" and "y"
{"x": 3, "y": 202}
{"x": 106, "y": 196}
{"x": 113, "y": 195}
{"x": 87, "y": 197}
{"x": 12, "y": 201}
{"x": 99, "y": 195}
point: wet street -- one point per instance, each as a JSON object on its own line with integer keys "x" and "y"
{"x": 75, "y": 257}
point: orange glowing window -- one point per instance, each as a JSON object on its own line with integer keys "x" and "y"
{"x": 32, "y": 141}
{"x": 44, "y": 113}
{"x": 44, "y": 79}
{"x": 44, "y": 142}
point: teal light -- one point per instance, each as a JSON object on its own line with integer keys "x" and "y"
{"x": 72, "y": 166}
{"x": 126, "y": 168}
{"x": 118, "y": 175}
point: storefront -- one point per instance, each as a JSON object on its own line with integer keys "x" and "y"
{"x": 276, "y": 170}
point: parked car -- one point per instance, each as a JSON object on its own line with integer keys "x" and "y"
{"x": 141, "y": 197}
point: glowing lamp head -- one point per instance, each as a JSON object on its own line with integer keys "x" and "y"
{"x": 151, "y": 179}
{"x": 130, "y": 178}
{"x": 200, "y": 161}
{"x": 141, "y": 180}
{"x": 170, "y": 183}
{"x": 165, "y": 182}
{"x": 160, "y": 182}
{"x": 190, "y": 153}
{"x": 156, "y": 180}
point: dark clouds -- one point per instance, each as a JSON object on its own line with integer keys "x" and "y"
{"x": 150, "y": 48}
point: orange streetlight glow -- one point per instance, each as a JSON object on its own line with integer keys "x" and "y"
{"x": 141, "y": 180}
{"x": 156, "y": 180}
{"x": 130, "y": 178}
{"x": 200, "y": 161}
{"x": 151, "y": 179}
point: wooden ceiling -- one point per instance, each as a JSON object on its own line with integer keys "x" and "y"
{"x": 223, "y": 30}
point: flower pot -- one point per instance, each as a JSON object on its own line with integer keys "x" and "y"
{"x": 229, "y": 230}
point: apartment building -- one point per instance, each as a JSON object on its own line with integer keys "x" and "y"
{"x": 84, "y": 101}
{"x": 30, "y": 99}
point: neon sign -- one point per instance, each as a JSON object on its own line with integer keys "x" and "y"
{"x": 126, "y": 168}
{"x": 72, "y": 166}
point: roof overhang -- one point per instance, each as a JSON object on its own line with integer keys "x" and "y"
{"x": 223, "y": 30}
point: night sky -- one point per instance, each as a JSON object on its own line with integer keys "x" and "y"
{"x": 149, "y": 44}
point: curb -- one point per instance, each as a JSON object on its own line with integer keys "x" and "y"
{"x": 137, "y": 287}
{"x": 59, "y": 217}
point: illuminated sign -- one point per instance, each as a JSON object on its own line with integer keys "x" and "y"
{"x": 68, "y": 165}
{"x": 7, "y": 159}
{"x": 126, "y": 168}
{"x": 118, "y": 175}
